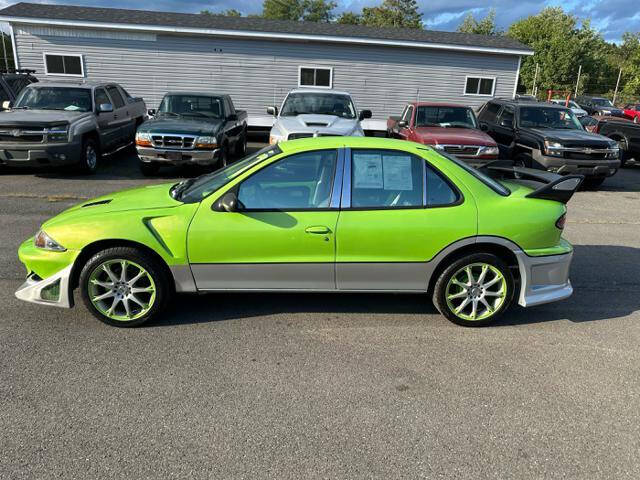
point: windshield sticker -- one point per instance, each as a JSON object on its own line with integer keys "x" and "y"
{"x": 367, "y": 170}
{"x": 397, "y": 173}
{"x": 72, "y": 108}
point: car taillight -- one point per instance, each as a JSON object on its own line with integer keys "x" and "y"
{"x": 561, "y": 221}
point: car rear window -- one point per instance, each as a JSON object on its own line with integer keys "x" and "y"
{"x": 483, "y": 177}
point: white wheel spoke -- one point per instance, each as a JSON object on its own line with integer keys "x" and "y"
{"x": 485, "y": 269}
{"x": 460, "y": 284}
{"x": 486, "y": 305}
{"x": 474, "y": 308}
{"x": 116, "y": 300}
{"x": 457, "y": 295}
{"x": 493, "y": 294}
{"x": 127, "y": 307}
{"x": 108, "y": 294}
{"x": 493, "y": 281}
{"x": 135, "y": 299}
{"x": 112, "y": 276}
{"x": 140, "y": 274}
{"x": 462, "y": 305}
{"x": 123, "y": 274}
{"x": 107, "y": 285}
{"x": 469, "y": 274}
{"x": 148, "y": 289}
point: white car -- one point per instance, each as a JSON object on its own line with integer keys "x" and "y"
{"x": 309, "y": 112}
{"x": 575, "y": 108}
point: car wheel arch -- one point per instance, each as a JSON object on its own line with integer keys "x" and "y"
{"x": 91, "y": 249}
{"x": 498, "y": 246}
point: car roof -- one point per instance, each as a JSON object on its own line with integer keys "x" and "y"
{"x": 528, "y": 103}
{"x": 203, "y": 94}
{"x": 438, "y": 104}
{"x": 319, "y": 90}
{"x": 88, "y": 84}
{"x": 353, "y": 142}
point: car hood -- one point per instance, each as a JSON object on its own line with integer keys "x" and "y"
{"x": 453, "y": 136}
{"x": 141, "y": 198}
{"x": 183, "y": 125}
{"x": 39, "y": 117}
{"x": 578, "y": 111}
{"x": 578, "y": 138}
{"x": 309, "y": 123}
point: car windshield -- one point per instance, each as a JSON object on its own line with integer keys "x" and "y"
{"x": 602, "y": 102}
{"x": 451, "y": 117}
{"x": 543, "y": 117}
{"x": 192, "y": 106}
{"x": 195, "y": 189}
{"x": 55, "y": 98}
{"x": 319, "y": 104}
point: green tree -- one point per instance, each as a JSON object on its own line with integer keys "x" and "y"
{"x": 232, "y": 12}
{"x": 349, "y": 18}
{"x": 306, "y": 10}
{"x": 393, "y": 13}
{"x": 629, "y": 61}
{"x": 485, "y": 26}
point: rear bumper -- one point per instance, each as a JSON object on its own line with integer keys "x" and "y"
{"x": 544, "y": 279}
{"x": 40, "y": 154}
{"x": 178, "y": 157}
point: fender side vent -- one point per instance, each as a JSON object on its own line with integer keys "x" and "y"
{"x": 100, "y": 202}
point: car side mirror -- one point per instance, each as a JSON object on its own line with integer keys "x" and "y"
{"x": 227, "y": 203}
{"x": 484, "y": 127}
{"x": 272, "y": 111}
{"x": 6, "y": 105}
{"x": 151, "y": 112}
{"x": 364, "y": 114}
{"x": 105, "y": 108}
{"x": 506, "y": 124}
{"x": 402, "y": 124}
{"x": 233, "y": 117}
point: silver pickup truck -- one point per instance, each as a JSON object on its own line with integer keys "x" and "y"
{"x": 68, "y": 123}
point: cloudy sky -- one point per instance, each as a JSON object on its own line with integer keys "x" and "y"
{"x": 612, "y": 17}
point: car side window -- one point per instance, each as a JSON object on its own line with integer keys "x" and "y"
{"x": 101, "y": 97}
{"x": 118, "y": 102}
{"x": 506, "y": 117}
{"x": 439, "y": 192}
{"x": 299, "y": 182}
{"x": 386, "y": 179}
{"x": 490, "y": 112}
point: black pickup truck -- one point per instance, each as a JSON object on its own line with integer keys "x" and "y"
{"x": 549, "y": 137}
{"x": 622, "y": 130}
{"x": 192, "y": 128}
{"x": 11, "y": 84}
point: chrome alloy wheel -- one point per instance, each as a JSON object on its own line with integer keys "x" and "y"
{"x": 121, "y": 290}
{"x": 476, "y": 292}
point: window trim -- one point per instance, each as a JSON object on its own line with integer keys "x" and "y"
{"x": 62, "y": 54}
{"x": 479, "y": 77}
{"x": 315, "y": 67}
{"x": 347, "y": 183}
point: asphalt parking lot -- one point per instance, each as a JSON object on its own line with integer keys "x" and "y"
{"x": 324, "y": 386}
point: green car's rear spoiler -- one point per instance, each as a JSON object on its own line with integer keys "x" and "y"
{"x": 559, "y": 188}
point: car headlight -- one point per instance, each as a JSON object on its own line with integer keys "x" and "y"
{"x": 275, "y": 136}
{"x": 58, "y": 134}
{"x": 143, "y": 139}
{"x": 615, "y": 150}
{"x": 44, "y": 241}
{"x": 606, "y": 112}
{"x": 207, "y": 142}
{"x": 488, "y": 151}
{"x": 553, "y": 148}
{"x": 437, "y": 146}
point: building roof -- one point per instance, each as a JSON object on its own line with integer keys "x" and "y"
{"x": 255, "y": 27}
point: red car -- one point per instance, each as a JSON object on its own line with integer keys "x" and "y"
{"x": 632, "y": 112}
{"x": 448, "y": 127}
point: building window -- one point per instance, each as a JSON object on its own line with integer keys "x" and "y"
{"x": 63, "y": 64}
{"x": 315, "y": 77}
{"x": 480, "y": 86}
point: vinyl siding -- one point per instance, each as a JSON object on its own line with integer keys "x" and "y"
{"x": 259, "y": 73}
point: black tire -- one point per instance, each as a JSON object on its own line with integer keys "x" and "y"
{"x": 163, "y": 285}
{"x": 624, "y": 152}
{"x": 224, "y": 155}
{"x": 149, "y": 168}
{"x": 592, "y": 183}
{"x": 440, "y": 288}
{"x": 241, "y": 146}
{"x": 89, "y": 157}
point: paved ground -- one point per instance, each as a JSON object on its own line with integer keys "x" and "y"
{"x": 320, "y": 386}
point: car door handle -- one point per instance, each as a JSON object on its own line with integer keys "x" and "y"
{"x": 115, "y": 117}
{"x": 318, "y": 230}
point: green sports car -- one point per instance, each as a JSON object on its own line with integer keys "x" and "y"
{"x": 328, "y": 214}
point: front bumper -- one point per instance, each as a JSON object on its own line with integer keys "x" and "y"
{"x": 590, "y": 168}
{"x": 22, "y": 154}
{"x": 53, "y": 291}
{"x": 544, "y": 279}
{"x": 178, "y": 157}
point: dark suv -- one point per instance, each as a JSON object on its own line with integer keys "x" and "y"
{"x": 549, "y": 137}
{"x": 12, "y": 82}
